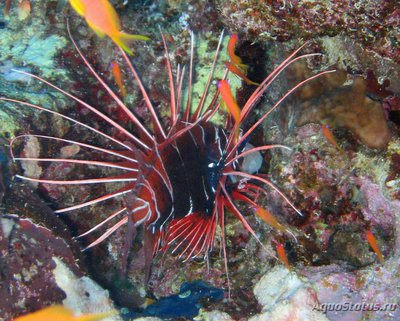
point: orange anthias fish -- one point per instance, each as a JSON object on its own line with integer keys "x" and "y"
{"x": 118, "y": 77}
{"x": 103, "y": 19}
{"x": 282, "y": 255}
{"x": 269, "y": 218}
{"x": 329, "y": 136}
{"x": 236, "y": 60}
{"x": 229, "y": 100}
{"x": 230, "y": 103}
{"x": 61, "y": 313}
{"x": 232, "y": 68}
{"x": 374, "y": 245}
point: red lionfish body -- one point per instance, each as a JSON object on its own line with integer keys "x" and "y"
{"x": 176, "y": 180}
{"x": 180, "y": 182}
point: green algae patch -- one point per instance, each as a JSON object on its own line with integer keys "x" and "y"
{"x": 205, "y": 52}
{"x": 8, "y": 125}
{"x": 41, "y": 51}
{"x": 14, "y": 117}
{"x": 31, "y": 47}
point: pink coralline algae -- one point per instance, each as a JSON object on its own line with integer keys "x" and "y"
{"x": 359, "y": 36}
{"x": 27, "y": 279}
{"x": 340, "y": 201}
{"x": 353, "y": 290}
{"x": 342, "y": 195}
{"x": 376, "y": 208}
{"x": 374, "y": 23}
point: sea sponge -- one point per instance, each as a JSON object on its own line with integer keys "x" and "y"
{"x": 347, "y": 106}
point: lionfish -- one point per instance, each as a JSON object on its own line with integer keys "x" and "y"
{"x": 177, "y": 179}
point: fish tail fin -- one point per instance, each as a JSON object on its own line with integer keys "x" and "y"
{"x": 129, "y": 37}
{"x": 96, "y": 316}
{"x": 78, "y": 6}
{"x": 124, "y": 39}
{"x": 250, "y": 82}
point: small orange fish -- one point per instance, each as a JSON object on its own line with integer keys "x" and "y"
{"x": 236, "y": 60}
{"x": 374, "y": 245}
{"x": 61, "y": 313}
{"x": 282, "y": 255}
{"x": 269, "y": 218}
{"x": 329, "y": 136}
{"x": 103, "y": 19}
{"x": 232, "y": 68}
{"x": 118, "y": 77}
{"x": 229, "y": 100}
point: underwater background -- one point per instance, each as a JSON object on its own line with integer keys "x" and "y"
{"x": 342, "y": 173}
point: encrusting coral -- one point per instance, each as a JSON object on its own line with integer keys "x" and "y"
{"x": 338, "y": 200}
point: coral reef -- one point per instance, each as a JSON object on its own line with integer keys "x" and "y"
{"x": 356, "y": 31}
{"x": 213, "y": 315}
{"x": 341, "y": 195}
{"x": 285, "y": 296}
{"x": 83, "y": 295}
{"x": 27, "y": 252}
{"x": 302, "y": 19}
{"x": 39, "y": 269}
{"x": 325, "y": 294}
{"x": 336, "y": 194}
{"x": 346, "y": 106}
{"x": 361, "y": 38}
{"x": 27, "y": 43}
{"x": 359, "y": 189}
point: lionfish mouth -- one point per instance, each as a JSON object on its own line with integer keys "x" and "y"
{"x": 175, "y": 179}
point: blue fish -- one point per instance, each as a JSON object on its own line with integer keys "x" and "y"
{"x": 185, "y": 304}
